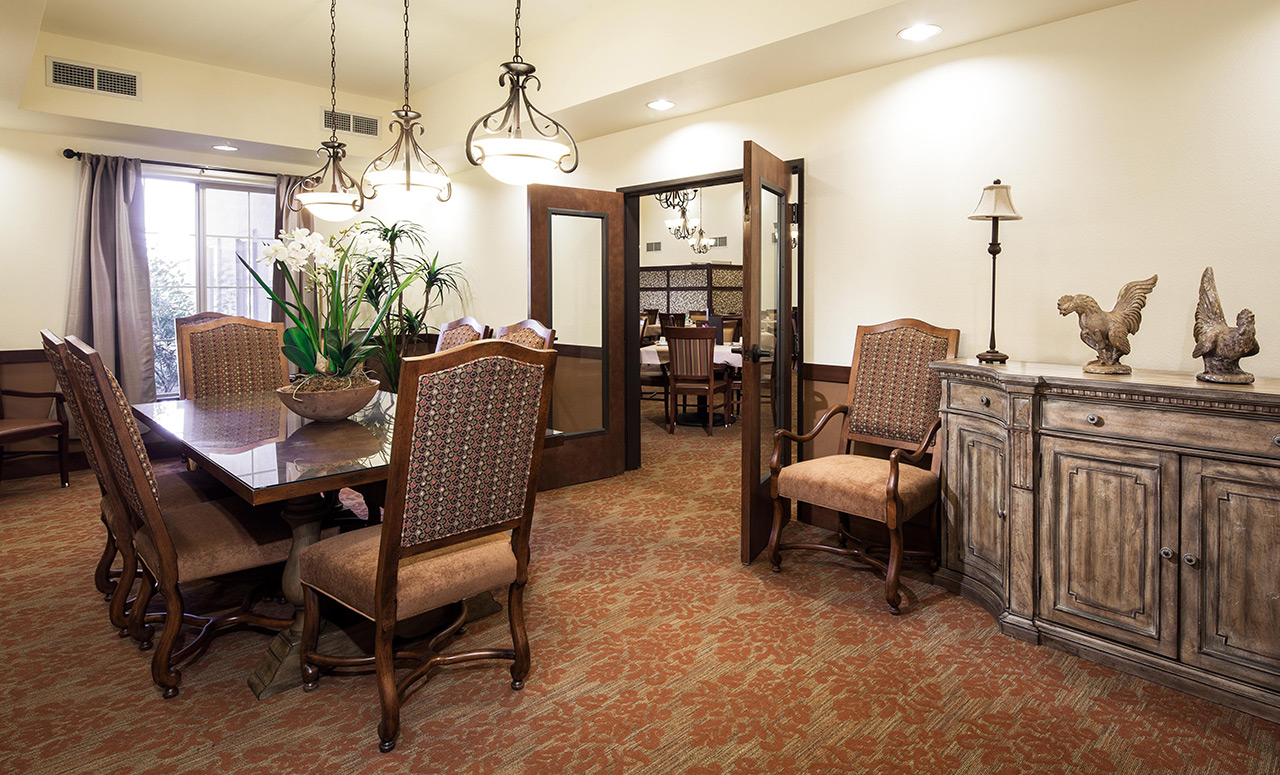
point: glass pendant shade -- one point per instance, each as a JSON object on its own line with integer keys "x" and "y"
{"x": 328, "y": 205}
{"x": 519, "y": 160}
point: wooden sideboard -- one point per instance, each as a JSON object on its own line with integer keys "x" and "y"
{"x": 1131, "y": 520}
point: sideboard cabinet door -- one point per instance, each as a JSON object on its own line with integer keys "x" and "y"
{"x": 1107, "y": 512}
{"x": 975, "y": 502}
{"x": 1231, "y": 569}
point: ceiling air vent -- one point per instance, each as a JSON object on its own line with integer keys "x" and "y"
{"x": 652, "y": 247}
{"x": 66, "y": 74}
{"x": 353, "y": 123}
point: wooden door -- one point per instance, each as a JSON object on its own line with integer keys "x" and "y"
{"x": 1108, "y": 513}
{"x": 576, "y": 281}
{"x": 1230, "y": 574}
{"x": 766, "y": 333}
{"x": 975, "y": 502}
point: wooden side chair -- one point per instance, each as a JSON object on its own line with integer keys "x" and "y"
{"x": 197, "y": 534}
{"x": 529, "y": 333}
{"x": 651, "y": 316}
{"x": 691, "y": 371}
{"x": 461, "y": 331}
{"x": 17, "y": 429}
{"x": 196, "y": 319}
{"x": 697, "y": 316}
{"x": 670, "y": 320}
{"x": 229, "y": 355}
{"x": 464, "y": 472}
{"x": 892, "y": 401}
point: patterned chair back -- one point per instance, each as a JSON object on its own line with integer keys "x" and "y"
{"x": 893, "y": 397}
{"x": 230, "y": 356}
{"x": 468, "y": 446}
{"x": 56, "y": 351}
{"x": 459, "y": 332}
{"x": 529, "y": 333}
{"x": 690, "y": 353}
{"x": 130, "y": 480}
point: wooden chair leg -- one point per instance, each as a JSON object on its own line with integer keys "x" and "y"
{"x": 64, "y": 465}
{"x": 671, "y": 412}
{"x": 102, "y": 574}
{"x": 118, "y": 611}
{"x": 891, "y": 593}
{"x": 519, "y": 638}
{"x": 137, "y": 615}
{"x": 163, "y": 673}
{"x": 310, "y": 636}
{"x": 775, "y": 536}
{"x": 388, "y": 694}
{"x": 711, "y": 412}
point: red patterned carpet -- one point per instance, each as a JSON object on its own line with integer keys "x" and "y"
{"x": 654, "y": 651}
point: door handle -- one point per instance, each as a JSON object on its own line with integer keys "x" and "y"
{"x": 1166, "y": 553}
{"x": 756, "y": 354}
{"x": 1190, "y": 560}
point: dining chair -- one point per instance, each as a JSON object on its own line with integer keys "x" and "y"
{"x": 18, "y": 429}
{"x": 190, "y": 530}
{"x": 529, "y": 333}
{"x": 196, "y": 319}
{"x": 691, "y": 371}
{"x": 461, "y": 331}
{"x": 670, "y": 319}
{"x": 697, "y": 316}
{"x": 892, "y": 402}
{"x": 229, "y": 355}
{"x": 651, "y": 315}
{"x": 462, "y": 481}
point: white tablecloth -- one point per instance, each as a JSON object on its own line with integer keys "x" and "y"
{"x": 656, "y": 354}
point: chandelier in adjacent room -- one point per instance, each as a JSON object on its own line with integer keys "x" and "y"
{"x": 517, "y": 143}
{"x": 682, "y": 227}
{"x": 699, "y": 242}
{"x": 329, "y": 193}
{"x": 405, "y": 167}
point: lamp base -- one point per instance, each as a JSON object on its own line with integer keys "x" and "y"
{"x": 992, "y": 356}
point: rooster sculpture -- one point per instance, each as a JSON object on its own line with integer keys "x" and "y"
{"x": 1222, "y": 345}
{"x": 1108, "y": 332}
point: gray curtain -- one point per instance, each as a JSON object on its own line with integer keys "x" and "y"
{"x": 110, "y": 304}
{"x": 288, "y": 220}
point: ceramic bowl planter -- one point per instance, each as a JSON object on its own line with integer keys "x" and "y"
{"x": 328, "y": 405}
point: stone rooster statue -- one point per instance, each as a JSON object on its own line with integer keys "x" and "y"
{"x": 1108, "y": 332}
{"x": 1222, "y": 345}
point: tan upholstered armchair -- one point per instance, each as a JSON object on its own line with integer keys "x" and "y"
{"x": 892, "y": 401}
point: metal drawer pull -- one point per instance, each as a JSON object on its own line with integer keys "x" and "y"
{"x": 1093, "y": 419}
{"x": 1189, "y": 559}
{"x": 1276, "y": 439}
{"x": 987, "y": 402}
{"x": 1001, "y": 513}
{"x": 1166, "y": 553}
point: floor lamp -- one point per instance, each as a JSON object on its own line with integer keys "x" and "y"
{"x": 995, "y": 206}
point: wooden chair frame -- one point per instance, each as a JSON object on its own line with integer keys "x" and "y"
{"x": 701, "y": 385}
{"x": 513, "y": 332}
{"x": 670, "y": 319}
{"x": 482, "y": 331}
{"x": 896, "y": 512}
{"x": 39, "y": 432}
{"x": 186, "y": 371}
{"x": 392, "y": 692}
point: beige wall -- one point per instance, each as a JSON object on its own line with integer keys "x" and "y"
{"x": 721, "y": 217}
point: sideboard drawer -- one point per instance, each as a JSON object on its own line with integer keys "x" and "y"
{"x": 985, "y": 400}
{"x": 1228, "y": 433}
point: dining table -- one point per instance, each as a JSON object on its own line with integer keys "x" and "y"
{"x": 725, "y": 354}
{"x": 265, "y": 454}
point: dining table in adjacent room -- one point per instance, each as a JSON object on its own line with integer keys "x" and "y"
{"x": 265, "y": 454}
{"x": 724, "y": 354}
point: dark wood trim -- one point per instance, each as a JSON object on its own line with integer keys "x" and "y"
{"x": 698, "y": 181}
{"x": 824, "y": 372}
{"x": 21, "y": 356}
{"x": 579, "y": 351}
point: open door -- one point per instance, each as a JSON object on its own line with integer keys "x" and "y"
{"x": 576, "y": 282}
{"x": 767, "y": 333}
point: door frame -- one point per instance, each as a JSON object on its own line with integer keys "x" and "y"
{"x": 631, "y": 269}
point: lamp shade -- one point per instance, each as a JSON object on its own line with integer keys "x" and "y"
{"x": 995, "y": 205}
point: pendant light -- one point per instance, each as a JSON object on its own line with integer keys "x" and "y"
{"x": 517, "y": 143}
{"x": 342, "y": 197}
{"x": 700, "y": 243}
{"x": 405, "y": 168}
{"x": 682, "y": 227}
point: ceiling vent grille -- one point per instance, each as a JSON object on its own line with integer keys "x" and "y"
{"x": 65, "y": 74}
{"x": 353, "y": 123}
{"x": 652, "y": 247}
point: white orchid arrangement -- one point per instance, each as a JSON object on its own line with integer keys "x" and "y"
{"x": 328, "y": 343}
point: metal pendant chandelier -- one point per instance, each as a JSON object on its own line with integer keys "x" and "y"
{"x": 682, "y": 227}
{"x": 699, "y": 242}
{"x": 342, "y": 197}
{"x": 517, "y": 143}
{"x": 405, "y": 168}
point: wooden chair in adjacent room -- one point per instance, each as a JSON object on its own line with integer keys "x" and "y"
{"x": 454, "y": 526}
{"x": 671, "y": 319}
{"x": 691, "y": 371}
{"x": 18, "y": 429}
{"x": 529, "y": 333}
{"x": 228, "y": 355}
{"x": 892, "y": 402}
{"x": 697, "y": 316}
{"x": 651, "y": 316}
{"x": 186, "y": 530}
{"x": 461, "y": 331}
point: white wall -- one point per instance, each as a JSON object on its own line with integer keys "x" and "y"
{"x": 721, "y": 217}
{"x": 1138, "y": 140}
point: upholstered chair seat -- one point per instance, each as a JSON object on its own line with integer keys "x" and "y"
{"x": 853, "y": 484}
{"x": 215, "y": 538}
{"x": 346, "y": 567}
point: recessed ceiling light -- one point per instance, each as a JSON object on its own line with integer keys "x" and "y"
{"x": 225, "y": 147}
{"x": 662, "y": 104}
{"x": 917, "y": 32}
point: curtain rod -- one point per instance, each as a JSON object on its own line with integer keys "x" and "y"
{"x": 70, "y": 154}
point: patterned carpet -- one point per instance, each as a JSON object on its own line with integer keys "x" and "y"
{"x": 654, "y": 651}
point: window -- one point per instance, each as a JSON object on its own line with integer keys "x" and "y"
{"x": 195, "y": 228}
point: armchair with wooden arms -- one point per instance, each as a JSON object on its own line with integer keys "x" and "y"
{"x": 892, "y": 401}
{"x": 16, "y": 429}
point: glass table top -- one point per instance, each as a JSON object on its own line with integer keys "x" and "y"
{"x": 254, "y": 444}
